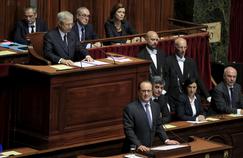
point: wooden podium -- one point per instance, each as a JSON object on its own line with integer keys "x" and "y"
{"x": 78, "y": 106}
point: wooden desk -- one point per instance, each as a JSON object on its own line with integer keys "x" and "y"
{"x": 78, "y": 106}
{"x": 227, "y": 130}
{"x": 19, "y": 57}
{"x": 200, "y": 148}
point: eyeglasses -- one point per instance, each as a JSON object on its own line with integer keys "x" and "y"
{"x": 146, "y": 91}
{"x": 85, "y": 15}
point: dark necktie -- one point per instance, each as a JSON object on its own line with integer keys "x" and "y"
{"x": 231, "y": 97}
{"x": 156, "y": 100}
{"x": 65, "y": 39}
{"x": 32, "y": 29}
{"x": 148, "y": 115}
{"x": 83, "y": 34}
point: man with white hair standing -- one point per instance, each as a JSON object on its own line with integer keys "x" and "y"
{"x": 61, "y": 45}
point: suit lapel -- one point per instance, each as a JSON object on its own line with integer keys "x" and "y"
{"x": 177, "y": 67}
{"x": 61, "y": 42}
{"x": 149, "y": 57}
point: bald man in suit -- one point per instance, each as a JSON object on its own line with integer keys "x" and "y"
{"x": 178, "y": 69}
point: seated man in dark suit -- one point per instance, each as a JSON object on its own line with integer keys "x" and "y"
{"x": 141, "y": 120}
{"x": 29, "y": 24}
{"x": 226, "y": 96}
{"x": 61, "y": 45}
{"x": 159, "y": 96}
{"x": 152, "y": 53}
{"x": 83, "y": 29}
{"x": 180, "y": 68}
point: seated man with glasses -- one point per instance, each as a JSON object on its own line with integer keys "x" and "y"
{"x": 29, "y": 24}
{"x": 141, "y": 120}
{"x": 61, "y": 45}
{"x": 83, "y": 29}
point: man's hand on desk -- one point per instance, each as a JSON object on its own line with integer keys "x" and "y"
{"x": 89, "y": 58}
{"x": 171, "y": 142}
{"x": 66, "y": 62}
{"x": 143, "y": 148}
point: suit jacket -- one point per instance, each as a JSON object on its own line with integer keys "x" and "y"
{"x": 55, "y": 48}
{"x": 136, "y": 126}
{"x": 175, "y": 79}
{"x": 184, "y": 110}
{"x": 110, "y": 31}
{"x": 221, "y": 98}
{"x": 22, "y": 29}
{"x": 159, "y": 71}
{"x": 89, "y": 31}
{"x": 166, "y": 116}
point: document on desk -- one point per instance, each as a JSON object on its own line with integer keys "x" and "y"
{"x": 197, "y": 122}
{"x": 234, "y": 115}
{"x": 169, "y": 126}
{"x": 6, "y": 52}
{"x": 9, "y": 153}
{"x": 89, "y": 64}
{"x": 61, "y": 67}
{"x": 169, "y": 147}
{"x": 211, "y": 119}
{"x": 132, "y": 156}
{"x": 121, "y": 59}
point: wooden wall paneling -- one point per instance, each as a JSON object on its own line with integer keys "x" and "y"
{"x": 168, "y": 10}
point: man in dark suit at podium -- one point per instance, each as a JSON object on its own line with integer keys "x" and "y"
{"x": 227, "y": 96}
{"x": 29, "y": 24}
{"x": 61, "y": 45}
{"x": 152, "y": 53}
{"x": 141, "y": 120}
{"x": 83, "y": 29}
{"x": 178, "y": 69}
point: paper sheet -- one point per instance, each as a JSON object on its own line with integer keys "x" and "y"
{"x": 168, "y": 147}
{"x": 119, "y": 59}
{"x": 61, "y": 67}
{"x": 6, "y": 52}
{"x": 169, "y": 126}
{"x": 197, "y": 122}
{"x": 89, "y": 64}
{"x": 212, "y": 119}
{"x": 9, "y": 153}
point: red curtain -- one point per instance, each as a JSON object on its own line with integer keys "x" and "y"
{"x": 236, "y": 32}
{"x": 198, "y": 49}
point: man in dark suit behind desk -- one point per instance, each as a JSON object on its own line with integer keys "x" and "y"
{"x": 178, "y": 69}
{"x": 29, "y": 24}
{"x": 152, "y": 53}
{"x": 83, "y": 29}
{"x": 141, "y": 120}
{"x": 227, "y": 97}
{"x": 61, "y": 45}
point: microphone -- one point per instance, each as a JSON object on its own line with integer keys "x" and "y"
{"x": 106, "y": 54}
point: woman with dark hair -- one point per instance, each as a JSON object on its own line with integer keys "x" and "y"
{"x": 116, "y": 25}
{"x": 189, "y": 107}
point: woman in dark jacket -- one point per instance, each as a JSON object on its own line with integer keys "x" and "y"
{"x": 116, "y": 25}
{"x": 189, "y": 107}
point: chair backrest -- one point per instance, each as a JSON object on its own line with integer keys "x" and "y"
{"x": 36, "y": 51}
{"x": 37, "y": 41}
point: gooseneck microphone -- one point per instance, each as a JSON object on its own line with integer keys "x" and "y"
{"x": 106, "y": 54}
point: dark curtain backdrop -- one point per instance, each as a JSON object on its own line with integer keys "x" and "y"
{"x": 235, "y": 52}
{"x": 198, "y": 49}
